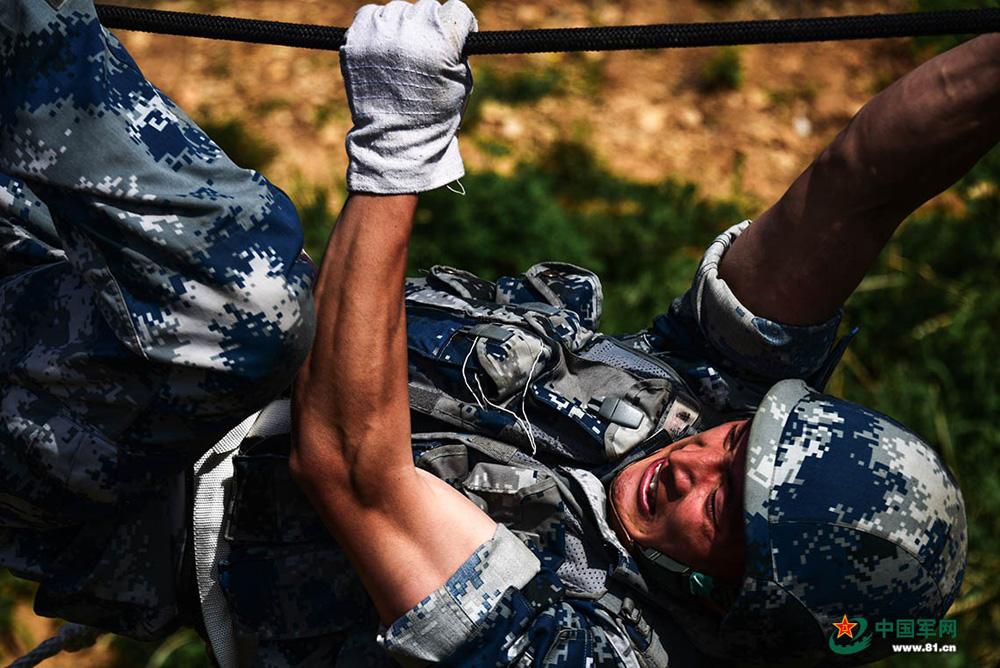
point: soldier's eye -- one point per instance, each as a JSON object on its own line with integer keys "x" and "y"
{"x": 736, "y": 435}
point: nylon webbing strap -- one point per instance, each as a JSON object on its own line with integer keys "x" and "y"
{"x": 611, "y": 38}
{"x": 213, "y": 473}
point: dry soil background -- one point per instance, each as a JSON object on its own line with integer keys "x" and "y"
{"x": 642, "y": 112}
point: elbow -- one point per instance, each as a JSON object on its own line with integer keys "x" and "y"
{"x": 315, "y": 463}
{"x": 336, "y": 467}
{"x": 304, "y": 468}
{"x": 855, "y": 181}
{"x": 337, "y": 486}
{"x": 298, "y": 464}
{"x": 321, "y": 472}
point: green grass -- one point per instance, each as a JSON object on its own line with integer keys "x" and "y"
{"x": 182, "y": 649}
{"x": 928, "y": 359}
{"x": 566, "y": 206}
{"x": 520, "y": 87}
{"x": 722, "y": 72}
{"x": 243, "y": 146}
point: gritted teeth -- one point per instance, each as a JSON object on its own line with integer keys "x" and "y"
{"x": 651, "y": 488}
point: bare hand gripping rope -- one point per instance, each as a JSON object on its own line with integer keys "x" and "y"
{"x": 612, "y": 38}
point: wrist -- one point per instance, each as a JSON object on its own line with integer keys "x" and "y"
{"x": 377, "y": 165}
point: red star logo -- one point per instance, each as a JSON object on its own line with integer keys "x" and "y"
{"x": 845, "y": 628}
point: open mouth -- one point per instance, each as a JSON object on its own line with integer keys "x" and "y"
{"x": 647, "y": 487}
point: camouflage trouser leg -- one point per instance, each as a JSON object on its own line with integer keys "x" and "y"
{"x": 151, "y": 293}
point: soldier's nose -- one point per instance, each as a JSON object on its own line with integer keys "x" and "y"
{"x": 691, "y": 466}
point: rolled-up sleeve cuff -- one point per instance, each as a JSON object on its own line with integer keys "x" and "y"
{"x": 765, "y": 347}
{"x": 441, "y": 623}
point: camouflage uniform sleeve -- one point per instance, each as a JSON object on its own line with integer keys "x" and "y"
{"x": 190, "y": 256}
{"x": 507, "y": 606}
{"x": 765, "y": 348}
{"x": 152, "y": 295}
{"x": 439, "y": 625}
{"x": 162, "y": 288}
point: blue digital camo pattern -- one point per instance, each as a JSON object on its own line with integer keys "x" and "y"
{"x": 838, "y": 539}
{"x": 159, "y": 296}
{"x": 470, "y": 377}
{"x": 754, "y": 345}
{"x": 438, "y": 625}
{"x": 847, "y": 512}
{"x": 728, "y": 355}
{"x": 514, "y": 360}
{"x": 151, "y": 295}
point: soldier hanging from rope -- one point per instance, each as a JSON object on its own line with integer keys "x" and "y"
{"x": 484, "y": 473}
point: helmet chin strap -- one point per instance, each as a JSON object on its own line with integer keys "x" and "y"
{"x": 630, "y": 543}
{"x": 684, "y": 581}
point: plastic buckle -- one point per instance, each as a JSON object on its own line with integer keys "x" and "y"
{"x": 620, "y": 412}
{"x": 492, "y": 332}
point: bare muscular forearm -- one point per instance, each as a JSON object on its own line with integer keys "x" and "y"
{"x": 805, "y": 255}
{"x": 351, "y": 448}
{"x": 405, "y": 531}
{"x": 351, "y": 410}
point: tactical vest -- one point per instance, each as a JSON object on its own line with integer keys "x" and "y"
{"x": 509, "y": 383}
{"x": 519, "y": 361}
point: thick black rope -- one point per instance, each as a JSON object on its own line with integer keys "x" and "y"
{"x": 71, "y": 638}
{"x": 614, "y": 38}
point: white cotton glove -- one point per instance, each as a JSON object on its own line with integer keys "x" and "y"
{"x": 406, "y": 84}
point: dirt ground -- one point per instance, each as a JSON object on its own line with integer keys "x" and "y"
{"x": 643, "y": 113}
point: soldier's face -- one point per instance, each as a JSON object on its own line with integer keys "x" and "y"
{"x": 686, "y": 500}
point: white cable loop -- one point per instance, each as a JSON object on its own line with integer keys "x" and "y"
{"x": 525, "y": 423}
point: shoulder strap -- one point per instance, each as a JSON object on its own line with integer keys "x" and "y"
{"x": 211, "y": 479}
{"x": 643, "y": 638}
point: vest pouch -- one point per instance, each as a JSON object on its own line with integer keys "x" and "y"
{"x": 526, "y": 500}
{"x": 648, "y": 400}
{"x": 449, "y": 293}
{"x": 453, "y": 353}
{"x": 449, "y": 462}
{"x": 611, "y": 407}
{"x": 280, "y": 592}
{"x": 509, "y": 357}
{"x": 266, "y": 505}
{"x": 560, "y": 284}
{"x": 461, "y": 283}
{"x": 597, "y": 403}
